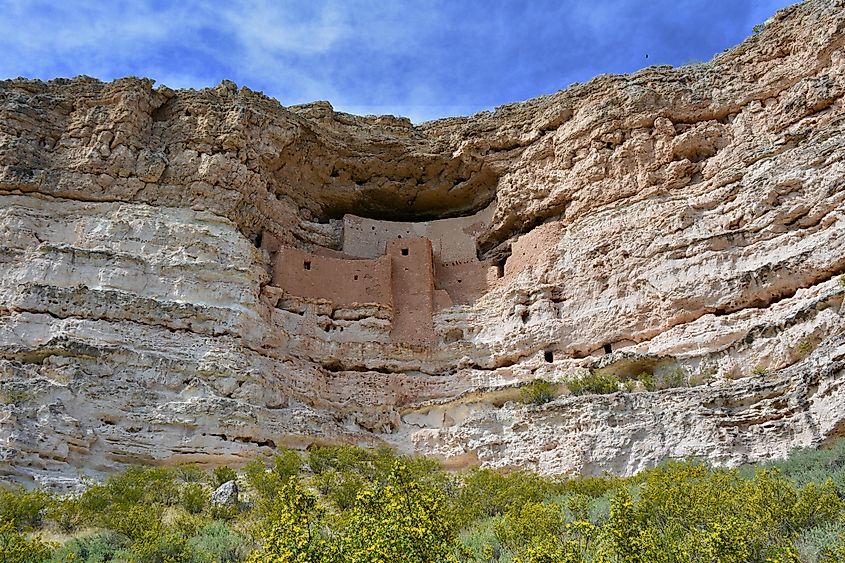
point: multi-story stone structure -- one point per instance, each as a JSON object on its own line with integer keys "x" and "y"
{"x": 416, "y": 269}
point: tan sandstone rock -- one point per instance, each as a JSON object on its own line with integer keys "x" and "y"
{"x": 686, "y": 218}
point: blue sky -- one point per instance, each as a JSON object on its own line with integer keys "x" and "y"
{"x": 419, "y": 58}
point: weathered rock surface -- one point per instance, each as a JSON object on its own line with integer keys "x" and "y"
{"x": 690, "y": 218}
{"x": 226, "y": 494}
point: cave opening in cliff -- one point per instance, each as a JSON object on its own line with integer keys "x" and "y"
{"x": 549, "y": 356}
{"x": 500, "y": 268}
{"x": 608, "y": 349}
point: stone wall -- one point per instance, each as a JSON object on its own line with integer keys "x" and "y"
{"x": 464, "y": 282}
{"x": 344, "y": 282}
{"x": 413, "y": 290}
{"x": 452, "y": 240}
{"x": 408, "y": 278}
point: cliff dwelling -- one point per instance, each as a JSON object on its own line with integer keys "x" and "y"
{"x": 414, "y": 269}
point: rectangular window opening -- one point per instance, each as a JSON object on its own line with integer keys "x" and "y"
{"x": 607, "y": 349}
{"x": 306, "y": 265}
{"x": 404, "y": 252}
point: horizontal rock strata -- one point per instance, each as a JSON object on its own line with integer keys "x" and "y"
{"x": 677, "y": 220}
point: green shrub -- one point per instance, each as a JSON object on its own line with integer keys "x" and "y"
{"x": 538, "y": 392}
{"x": 402, "y": 520}
{"x": 290, "y": 531}
{"x": 136, "y": 485}
{"x": 67, "y": 512}
{"x": 675, "y": 378}
{"x": 341, "y": 487}
{"x": 807, "y": 465}
{"x": 223, "y": 474}
{"x": 486, "y": 492}
{"x": 265, "y": 484}
{"x": 287, "y": 464}
{"x": 759, "y": 370}
{"x": 157, "y": 546}
{"x": 591, "y": 487}
{"x": 194, "y": 498}
{"x": 190, "y": 473}
{"x": 804, "y": 348}
{"x": 647, "y": 379}
{"x": 15, "y": 547}
{"x": 218, "y": 543}
{"x": 597, "y": 382}
{"x": 324, "y": 458}
{"x": 135, "y": 521}
{"x": 24, "y": 510}
{"x": 530, "y": 524}
{"x": 95, "y": 548}
{"x": 478, "y": 542}
{"x": 814, "y": 542}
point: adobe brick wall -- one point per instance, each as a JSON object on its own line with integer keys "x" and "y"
{"x": 463, "y": 281}
{"x": 342, "y": 281}
{"x": 413, "y": 290}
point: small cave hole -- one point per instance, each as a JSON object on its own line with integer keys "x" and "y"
{"x": 500, "y": 268}
{"x": 355, "y": 277}
{"x": 373, "y": 227}
{"x": 453, "y": 335}
{"x": 404, "y": 252}
{"x": 549, "y": 356}
{"x": 524, "y": 316}
{"x": 459, "y": 281}
{"x": 306, "y": 265}
{"x": 608, "y": 349}
{"x": 399, "y": 236}
{"x": 258, "y": 238}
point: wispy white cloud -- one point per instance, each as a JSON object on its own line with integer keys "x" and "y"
{"x": 421, "y": 58}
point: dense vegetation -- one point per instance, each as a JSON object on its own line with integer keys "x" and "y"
{"x": 346, "y": 504}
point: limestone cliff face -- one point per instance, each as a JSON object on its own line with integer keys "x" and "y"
{"x": 687, "y": 219}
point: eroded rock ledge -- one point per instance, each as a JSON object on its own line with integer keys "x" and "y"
{"x": 685, "y": 218}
